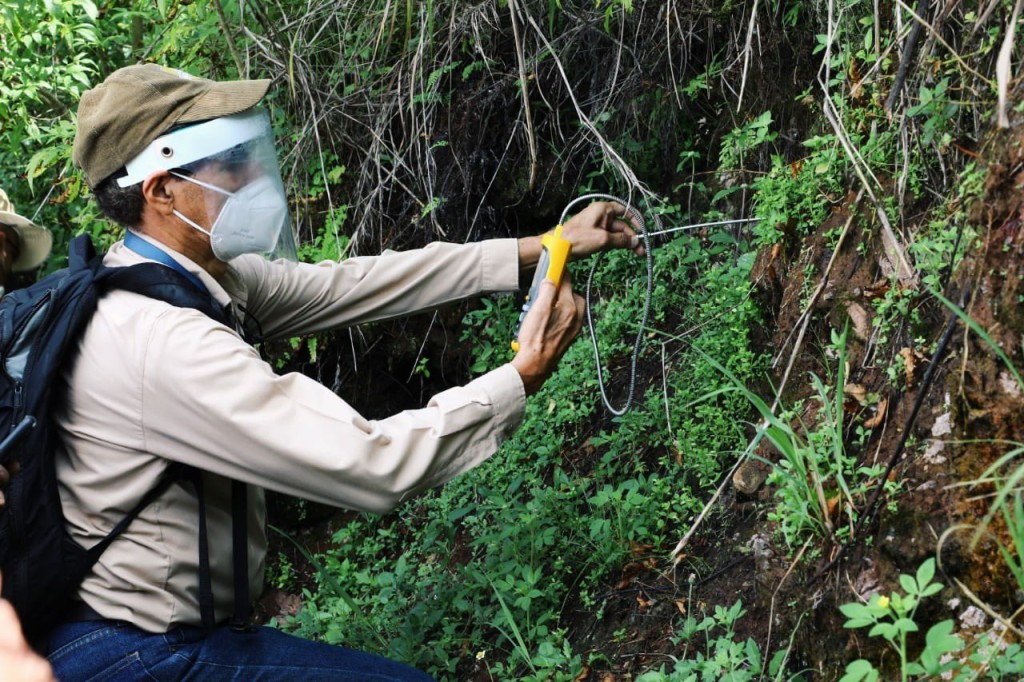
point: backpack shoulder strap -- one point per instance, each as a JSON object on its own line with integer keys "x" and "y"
{"x": 165, "y": 284}
{"x": 81, "y": 253}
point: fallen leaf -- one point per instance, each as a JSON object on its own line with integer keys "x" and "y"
{"x": 859, "y": 317}
{"x": 876, "y": 290}
{"x": 856, "y": 391}
{"x": 680, "y": 605}
{"x": 584, "y": 674}
{"x": 911, "y": 359}
{"x": 893, "y": 258}
{"x": 975, "y": 414}
{"x": 639, "y": 549}
{"x": 879, "y": 417}
{"x": 857, "y": 90}
{"x": 643, "y": 601}
{"x": 908, "y": 362}
{"x": 629, "y": 572}
{"x": 832, "y": 504}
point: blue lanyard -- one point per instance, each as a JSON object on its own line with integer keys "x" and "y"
{"x": 147, "y": 250}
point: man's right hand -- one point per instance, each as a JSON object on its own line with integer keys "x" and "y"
{"x": 551, "y": 325}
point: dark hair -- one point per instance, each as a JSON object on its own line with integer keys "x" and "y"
{"x": 123, "y": 205}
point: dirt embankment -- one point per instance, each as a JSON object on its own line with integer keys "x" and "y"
{"x": 954, "y": 409}
{"x": 943, "y": 419}
{"x": 970, "y": 413}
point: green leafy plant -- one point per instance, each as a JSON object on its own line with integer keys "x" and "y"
{"x": 723, "y": 656}
{"x": 938, "y": 111}
{"x": 738, "y": 144}
{"x": 992, "y": 658}
{"x": 892, "y": 618}
{"x": 799, "y": 193}
{"x": 744, "y": 139}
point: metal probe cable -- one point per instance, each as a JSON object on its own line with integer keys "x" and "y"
{"x": 645, "y": 236}
{"x": 639, "y": 220}
{"x": 697, "y": 226}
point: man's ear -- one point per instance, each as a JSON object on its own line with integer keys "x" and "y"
{"x": 158, "y": 191}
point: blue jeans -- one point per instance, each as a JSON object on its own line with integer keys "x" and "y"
{"x": 117, "y": 651}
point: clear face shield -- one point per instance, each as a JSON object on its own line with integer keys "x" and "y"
{"x": 244, "y": 209}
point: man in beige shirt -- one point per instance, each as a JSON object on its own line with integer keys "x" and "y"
{"x": 187, "y": 166}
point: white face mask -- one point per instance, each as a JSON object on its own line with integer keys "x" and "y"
{"x": 250, "y": 220}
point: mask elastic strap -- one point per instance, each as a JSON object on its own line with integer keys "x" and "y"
{"x": 207, "y": 185}
{"x": 191, "y": 222}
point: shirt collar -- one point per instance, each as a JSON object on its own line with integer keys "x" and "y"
{"x": 228, "y": 291}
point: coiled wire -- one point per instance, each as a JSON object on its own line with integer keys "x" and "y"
{"x": 649, "y": 253}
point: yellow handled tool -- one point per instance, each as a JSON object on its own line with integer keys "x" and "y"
{"x": 554, "y": 256}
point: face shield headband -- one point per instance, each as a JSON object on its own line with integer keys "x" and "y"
{"x": 246, "y": 207}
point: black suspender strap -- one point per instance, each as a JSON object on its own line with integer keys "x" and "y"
{"x": 241, "y": 618}
{"x": 168, "y": 285}
{"x": 206, "y": 610}
{"x": 240, "y": 621}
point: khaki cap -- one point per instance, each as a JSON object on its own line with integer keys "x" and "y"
{"x": 36, "y": 241}
{"x": 137, "y": 104}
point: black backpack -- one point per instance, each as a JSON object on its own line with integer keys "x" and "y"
{"x": 40, "y": 327}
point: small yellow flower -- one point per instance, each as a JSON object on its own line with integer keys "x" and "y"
{"x": 883, "y": 602}
{"x": 480, "y": 655}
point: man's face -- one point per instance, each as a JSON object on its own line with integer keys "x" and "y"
{"x": 229, "y": 172}
{"x": 10, "y": 247}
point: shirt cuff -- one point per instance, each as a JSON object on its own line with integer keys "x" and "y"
{"x": 500, "y": 264}
{"x": 508, "y": 397}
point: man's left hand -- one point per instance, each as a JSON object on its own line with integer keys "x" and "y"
{"x": 601, "y": 226}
